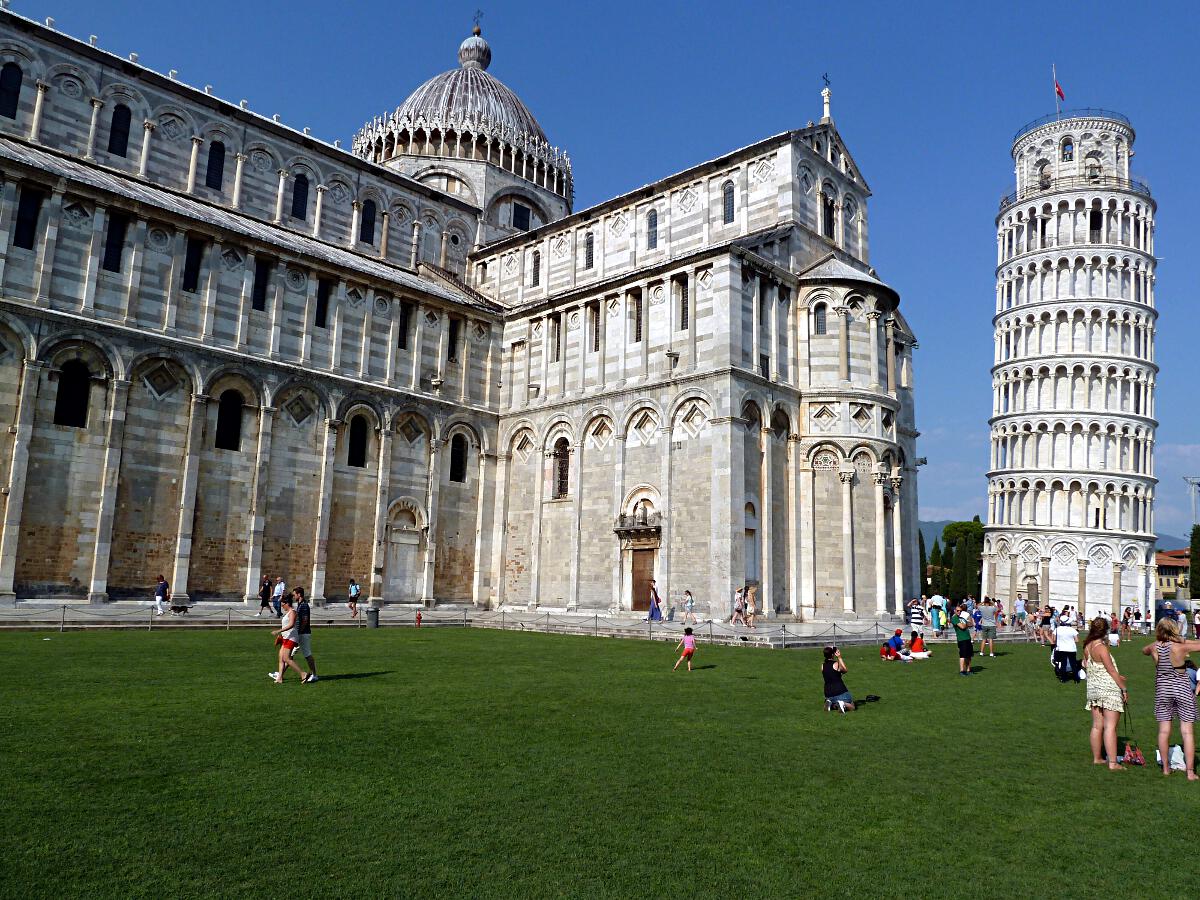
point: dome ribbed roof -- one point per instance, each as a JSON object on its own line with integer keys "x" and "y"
{"x": 469, "y": 94}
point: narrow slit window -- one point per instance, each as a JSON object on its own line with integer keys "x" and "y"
{"x": 356, "y": 444}
{"x": 636, "y": 311}
{"x": 214, "y": 174}
{"x": 458, "y": 459}
{"x": 652, "y": 229}
{"x": 562, "y": 468}
{"x": 74, "y": 390}
{"x": 229, "y": 421}
{"x": 10, "y": 90}
{"x": 828, "y": 217}
{"x": 366, "y": 222}
{"x": 321, "y": 314}
{"x": 594, "y": 315}
{"x": 118, "y": 130}
{"x": 263, "y": 269}
{"x": 452, "y": 337}
{"x": 114, "y": 241}
{"x": 535, "y": 277}
{"x": 29, "y": 210}
{"x": 684, "y": 305}
{"x": 727, "y": 205}
{"x": 193, "y": 257}
{"x": 820, "y": 323}
{"x": 589, "y": 250}
{"x": 405, "y": 324}
{"x": 556, "y": 336}
{"x": 300, "y": 197}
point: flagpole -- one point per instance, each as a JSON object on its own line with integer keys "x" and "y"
{"x": 1054, "y": 75}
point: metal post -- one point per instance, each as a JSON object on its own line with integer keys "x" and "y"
{"x": 150, "y": 627}
{"x": 226, "y": 619}
{"x": 62, "y": 623}
{"x": 596, "y": 623}
{"x": 464, "y": 617}
{"x": 710, "y": 637}
{"x": 502, "y": 619}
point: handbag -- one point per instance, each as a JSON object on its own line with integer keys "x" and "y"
{"x": 1133, "y": 754}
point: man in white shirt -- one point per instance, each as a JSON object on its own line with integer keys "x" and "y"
{"x": 277, "y": 596}
{"x": 1066, "y": 660}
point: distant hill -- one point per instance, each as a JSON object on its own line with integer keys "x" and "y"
{"x": 933, "y": 530}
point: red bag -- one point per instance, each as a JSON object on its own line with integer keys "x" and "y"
{"x": 1133, "y": 754}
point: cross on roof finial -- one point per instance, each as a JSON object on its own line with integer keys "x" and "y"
{"x": 825, "y": 78}
{"x": 478, "y": 17}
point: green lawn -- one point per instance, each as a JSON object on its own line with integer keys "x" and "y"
{"x": 473, "y": 763}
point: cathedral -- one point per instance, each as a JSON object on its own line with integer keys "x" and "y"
{"x": 230, "y": 350}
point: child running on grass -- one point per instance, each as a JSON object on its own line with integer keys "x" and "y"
{"x": 688, "y": 643}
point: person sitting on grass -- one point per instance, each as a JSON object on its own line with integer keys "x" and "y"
{"x": 893, "y": 648}
{"x": 916, "y": 647}
{"x": 688, "y": 643}
{"x": 836, "y": 693}
{"x": 962, "y": 634}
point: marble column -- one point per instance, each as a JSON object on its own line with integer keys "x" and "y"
{"x": 238, "y": 171}
{"x": 324, "y": 512}
{"x": 873, "y": 328}
{"x": 1117, "y": 570}
{"x": 486, "y": 460}
{"x": 144, "y": 159}
{"x": 22, "y": 430}
{"x": 576, "y": 477}
{"x": 189, "y": 476}
{"x": 39, "y": 103}
{"x": 1012, "y": 579}
{"x": 881, "y": 585}
{"x": 90, "y": 149}
{"x": 843, "y": 315}
{"x": 1081, "y": 585}
{"x": 379, "y": 547}
{"x": 847, "y": 478}
{"x": 383, "y": 234}
{"x": 431, "y": 539}
{"x": 766, "y": 519}
{"x": 283, "y": 176}
{"x": 114, "y": 439}
{"x": 898, "y": 548}
{"x": 535, "y": 551}
{"x": 318, "y": 206}
{"x": 194, "y": 163}
{"x": 1044, "y": 581}
{"x": 794, "y": 515}
{"x": 258, "y": 506}
{"x": 500, "y": 528}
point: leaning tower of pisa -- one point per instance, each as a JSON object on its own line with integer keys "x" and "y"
{"x": 1071, "y": 480}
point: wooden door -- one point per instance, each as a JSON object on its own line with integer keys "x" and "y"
{"x": 643, "y": 571}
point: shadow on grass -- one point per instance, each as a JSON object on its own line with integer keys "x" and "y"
{"x": 352, "y": 675}
{"x": 709, "y": 666}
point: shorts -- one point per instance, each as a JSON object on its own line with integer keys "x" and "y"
{"x": 687, "y": 654}
{"x": 989, "y": 632}
{"x": 305, "y": 641}
{"x": 1179, "y": 704}
{"x": 287, "y": 645}
{"x": 840, "y": 698}
{"x": 1021, "y": 618}
{"x": 918, "y": 628}
{"x": 965, "y": 649}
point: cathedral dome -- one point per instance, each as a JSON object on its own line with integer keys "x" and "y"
{"x": 468, "y": 96}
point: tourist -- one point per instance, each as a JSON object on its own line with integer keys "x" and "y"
{"x": 987, "y": 622}
{"x": 688, "y": 643}
{"x": 893, "y": 647}
{"x": 916, "y": 647}
{"x": 352, "y": 598}
{"x": 751, "y": 597}
{"x": 162, "y": 595}
{"x": 264, "y": 596}
{"x": 1105, "y": 693}
{"x": 916, "y": 616}
{"x": 655, "y": 614}
{"x": 940, "y": 607}
{"x": 1066, "y": 656}
{"x": 1127, "y": 624}
{"x": 1045, "y": 617}
{"x": 1183, "y": 623}
{"x": 739, "y": 607}
{"x": 962, "y": 634}
{"x": 1019, "y": 615}
{"x": 277, "y": 595}
{"x": 976, "y": 621}
{"x": 286, "y": 638}
{"x": 836, "y": 693}
{"x": 1174, "y": 696}
{"x": 1196, "y": 624}
{"x": 1137, "y": 620}
{"x": 304, "y": 634}
{"x": 689, "y": 608}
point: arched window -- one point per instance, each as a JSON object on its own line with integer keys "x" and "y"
{"x": 652, "y": 229}
{"x": 300, "y": 197}
{"x": 727, "y": 203}
{"x": 562, "y": 468}
{"x": 118, "y": 131}
{"x": 356, "y": 445}
{"x": 229, "y": 420}
{"x": 828, "y": 216}
{"x": 366, "y": 222}
{"x": 820, "y": 326}
{"x": 214, "y": 175}
{"x": 536, "y": 277}
{"x": 10, "y": 90}
{"x": 1068, "y": 151}
{"x": 74, "y": 389}
{"x": 458, "y": 458}
{"x": 589, "y": 250}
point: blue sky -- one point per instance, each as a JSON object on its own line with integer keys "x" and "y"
{"x": 927, "y": 96}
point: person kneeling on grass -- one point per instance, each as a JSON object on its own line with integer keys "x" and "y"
{"x": 688, "y": 643}
{"x": 287, "y": 637}
{"x": 916, "y": 647}
{"x": 836, "y": 694}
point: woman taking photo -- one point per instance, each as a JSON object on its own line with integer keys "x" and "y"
{"x": 836, "y": 694}
{"x": 1174, "y": 697}
{"x": 1105, "y": 693}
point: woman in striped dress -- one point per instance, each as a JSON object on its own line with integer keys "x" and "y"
{"x": 1174, "y": 696}
{"x": 1105, "y": 693}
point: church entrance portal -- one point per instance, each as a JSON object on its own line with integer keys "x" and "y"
{"x": 402, "y": 567}
{"x": 643, "y": 571}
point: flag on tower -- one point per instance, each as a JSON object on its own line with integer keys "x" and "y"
{"x": 1059, "y": 91}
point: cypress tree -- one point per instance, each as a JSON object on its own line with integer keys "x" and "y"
{"x": 924, "y": 564}
{"x": 962, "y": 570}
{"x": 935, "y": 567}
{"x": 948, "y": 557}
